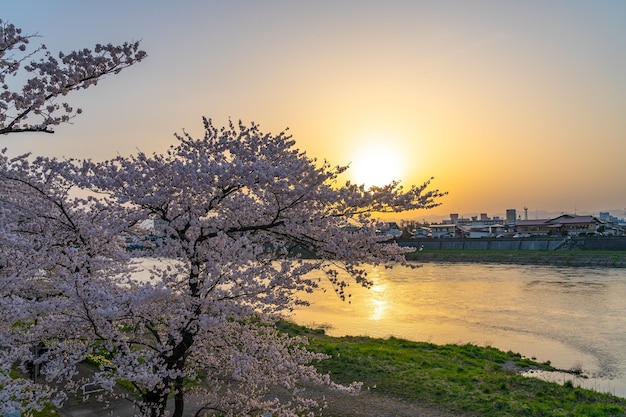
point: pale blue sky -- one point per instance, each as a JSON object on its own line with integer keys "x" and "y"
{"x": 508, "y": 104}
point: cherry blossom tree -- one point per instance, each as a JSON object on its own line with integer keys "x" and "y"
{"x": 35, "y": 106}
{"x": 224, "y": 224}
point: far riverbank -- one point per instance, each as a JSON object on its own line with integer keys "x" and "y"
{"x": 589, "y": 251}
{"x": 575, "y": 258}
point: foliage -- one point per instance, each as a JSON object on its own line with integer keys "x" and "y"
{"x": 462, "y": 378}
{"x": 218, "y": 219}
{"x": 33, "y": 107}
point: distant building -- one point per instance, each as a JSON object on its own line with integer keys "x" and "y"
{"x": 511, "y": 216}
{"x": 421, "y": 232}
{"x": 565, "y": 224}
{"x": 442, "y": 230}
{"x": 479, "y": 230}
{"x": 390, "y": 229}
{"x": 612, "y": 226}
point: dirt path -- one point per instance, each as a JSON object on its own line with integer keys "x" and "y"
{"x": 366, "y": 404}
{"x": 370, "y": 404}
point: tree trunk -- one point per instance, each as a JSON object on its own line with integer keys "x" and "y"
{"x": 179, "y": 398}
{"x": 154, "y": 403}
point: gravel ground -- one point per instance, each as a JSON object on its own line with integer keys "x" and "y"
{"x": 368, "y": 403}
{"x": 371, "y": 404}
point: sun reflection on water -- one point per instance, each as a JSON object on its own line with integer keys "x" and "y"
{"x": 379, "y": 307}
{"x": 378, "y": 301}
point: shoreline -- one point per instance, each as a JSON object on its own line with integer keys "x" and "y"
{"x": 576, "y": 258}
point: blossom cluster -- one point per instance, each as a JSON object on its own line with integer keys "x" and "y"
{"x": 33, "y": 82}
{"x": 222, "y": 226}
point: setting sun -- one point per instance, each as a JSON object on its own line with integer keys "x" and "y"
{"x": 376, "y": 166}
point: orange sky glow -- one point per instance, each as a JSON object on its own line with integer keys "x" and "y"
{"x": 506, "y": 104}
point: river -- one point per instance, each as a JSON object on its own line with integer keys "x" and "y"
{"x": 573, "y": 317}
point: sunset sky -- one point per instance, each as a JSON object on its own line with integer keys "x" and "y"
{"x": 506, "y": 103}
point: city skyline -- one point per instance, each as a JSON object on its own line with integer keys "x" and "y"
{"x": 530, "y": 214}
{"x": 505, "y": 104}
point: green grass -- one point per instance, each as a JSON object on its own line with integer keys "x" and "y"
{"x": 464, "y": 378}
{"x": 48, "y": 411}
{"x": 573, "y": 252}
{"x": 541, "y": 257}
{"x": 461, "y": 378}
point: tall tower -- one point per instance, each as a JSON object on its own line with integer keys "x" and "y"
{"x": 525, "y": 213}
{"x": 511, "y": 216}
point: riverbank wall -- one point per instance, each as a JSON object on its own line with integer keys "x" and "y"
{"x": 573, "y": 258}
{"x": 589, "y": 251}
{"x": 607, "y": 243}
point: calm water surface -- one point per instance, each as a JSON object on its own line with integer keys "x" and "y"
{"x": 573, "y": 317}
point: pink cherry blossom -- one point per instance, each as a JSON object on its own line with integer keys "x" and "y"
{"x": 169, "y": 268}
{"x": 34, "y": 106}
{"x": 234, "y": 212}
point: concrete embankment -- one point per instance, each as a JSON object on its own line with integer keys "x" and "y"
{"x": 561, "y": 251}
{"x": 558, "y": 258}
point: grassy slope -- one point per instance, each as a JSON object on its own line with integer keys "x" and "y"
{"x": 464, "y": 378}
{"x": 557, "y": 258}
